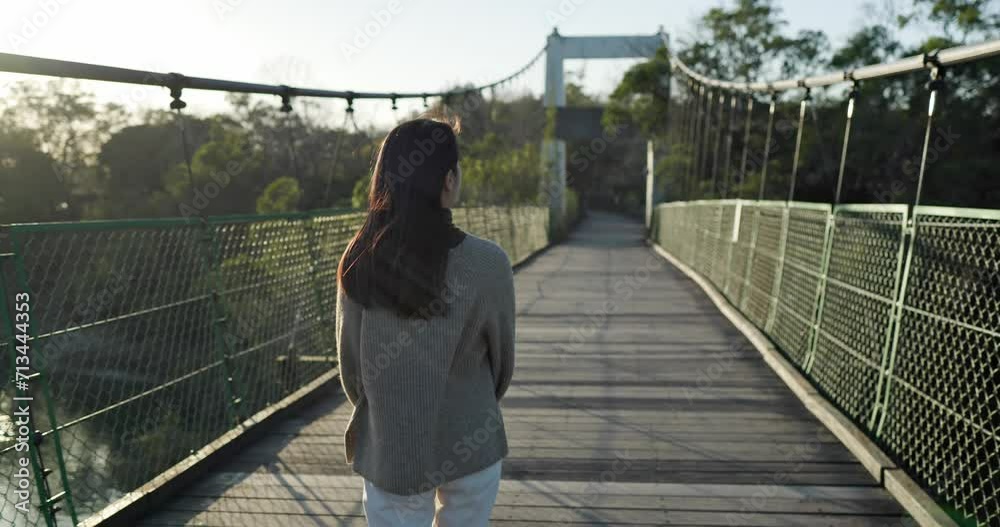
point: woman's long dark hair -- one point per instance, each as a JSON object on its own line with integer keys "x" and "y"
{"x": 399, "y": 257}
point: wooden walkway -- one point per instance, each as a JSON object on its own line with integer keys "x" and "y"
{"x": 634, "y": 402}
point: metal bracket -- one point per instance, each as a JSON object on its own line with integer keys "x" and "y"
{"x": 286, "y": 99}
{"x": 176, "y": 85}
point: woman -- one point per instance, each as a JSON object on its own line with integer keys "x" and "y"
{"x": 425, "y": 335}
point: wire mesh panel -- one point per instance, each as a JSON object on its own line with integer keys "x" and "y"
{"x": 942, "y": 416}
{"x": 857, "y": 307}
{"x": 713, "y": 255}
{"x": 693, "y": 233}
{"x": 687, "y": 233}
{"x": 521, "y": 231}
{"x": 122, "y": 323}
{"x": 702, "y": 224}
{"x": 668, "y": 228}
{"x": 267, "y": 322}
{"x": 158, "y": 336}
{"x": 801, "y": 277}
{"x": 678, "y": 231}
{"x": 331, "y": 234}
{"x": 764, "y": 267}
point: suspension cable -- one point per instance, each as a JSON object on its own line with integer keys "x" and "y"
{"x": 336, "y": 156}
{"x": 767, "y": 144}
{"x": 798, "y": 142}
{"x": 177, "y": 104}
{"x": 706, "y": 133}
{"x": 746, "y": 143}
{"x": 851, "y": 101}
{"x": 699, "y": 109}
{"x": 29, "y": 65}
{"x": 718, "y": 144}
{"x": 685, "y": 135}
{"x": 936, "y": 85}
{"x": 733, "y": 103}
{"x": 286, "y": 109}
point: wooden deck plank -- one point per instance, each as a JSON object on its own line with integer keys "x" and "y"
{"x": 634, "y": 402}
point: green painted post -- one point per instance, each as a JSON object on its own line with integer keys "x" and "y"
{"x": 909, "y": 231}
{"x": 776, "y": 287}
{"x": 748, "y": 269}
{"x": 212, "y": 254}
{"x": 37, "y": 468}
{"x": 46, "y": 500}
{"x": 733, "y": 240}
{"x": 904, "y": 253}
{"x": 831, "y": 222}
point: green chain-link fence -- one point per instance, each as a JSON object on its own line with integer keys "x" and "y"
{"x": 155, "y": 337}
{"x": 896, "y": 319}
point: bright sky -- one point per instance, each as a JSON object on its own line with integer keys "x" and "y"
{"x": 412, "y": 45}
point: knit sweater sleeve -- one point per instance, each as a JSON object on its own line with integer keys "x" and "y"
{"x": 500, "y": 331}
{"x": 348, "y": 345}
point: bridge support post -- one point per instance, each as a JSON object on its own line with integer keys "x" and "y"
{"x": 559, "y": 48}
{"x": 650, "y": 182}
{"x": 554, "y": 149}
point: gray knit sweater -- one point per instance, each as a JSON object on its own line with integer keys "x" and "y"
{"x": 426, "y": 392}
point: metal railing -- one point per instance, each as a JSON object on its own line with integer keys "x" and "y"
{"x": 152, "y": 338}
{"x": 892, "y": 311}
{"x": 901, "y": 330}
{"x": 176, "y": 82}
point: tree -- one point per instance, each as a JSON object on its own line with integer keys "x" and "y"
{"x": 132, "y": 164}
{"x": 642, "y": 97}
{"x": 870, "y": 45}
{"x": 228, "y": 173}
{"x": 746, "y": 43}
{"x": 32, "y": 190}
{"x": 958, "y": 20}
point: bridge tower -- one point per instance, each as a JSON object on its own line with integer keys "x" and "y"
{"x": 558, "y": 49}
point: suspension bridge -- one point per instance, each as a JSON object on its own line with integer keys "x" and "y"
{"x": 732, "y": 361}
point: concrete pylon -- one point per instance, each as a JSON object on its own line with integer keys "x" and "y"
{"x": 560, "y": 48}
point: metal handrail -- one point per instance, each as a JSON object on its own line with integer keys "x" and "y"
{"x": 944, "y": 57}
{"x": 79, "y": 70}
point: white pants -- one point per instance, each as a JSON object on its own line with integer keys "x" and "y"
{"x": 464, "y": 502}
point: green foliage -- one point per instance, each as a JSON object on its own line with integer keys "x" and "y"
{"x": 575, "y": 97}
{"x": 31, "y": 186}
{"x": 958, "y": 19}
{"x": 746, "y": 41}
{"x": 642, "y": 97}
{"x": 870, "y": 45}
{"x": 282, "y": 195}
{"x": 359, "y": 195}
{"x": 573, "y": 209}
{"x": 495, "y": 173}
